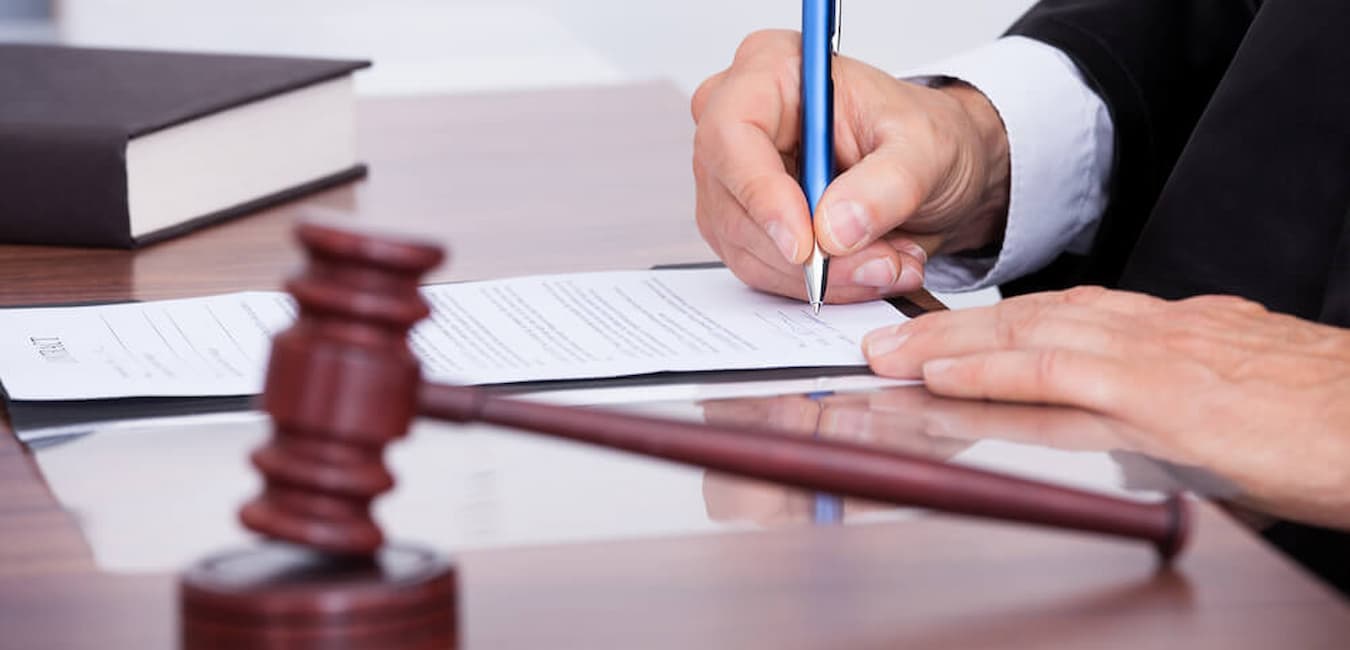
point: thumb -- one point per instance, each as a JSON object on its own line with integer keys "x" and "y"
{"x": 870, "y": 199}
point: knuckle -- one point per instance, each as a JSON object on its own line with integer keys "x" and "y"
{"x": 700, "y": 99}
{"x": 1015, "y": 323}
{"x": 1050, "y": 367}
{"x": 698, "y": 102}
{"x": 767, "y": 41}
{"x": 1227, "y": 303}
{"x": 1084, "y": 295}
{"x": 1006, "y": 332}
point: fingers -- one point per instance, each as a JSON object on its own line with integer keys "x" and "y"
{"x": 1067, "y": 348}
{"x": 884, "y": 268}
{"x": 786, "y": 279}
{"x": 912, "y": 157}
{"x": 1061, "y": 377}
{"x": 747, "y": 121}
{"x": 743, "y": 160}
{"x": 901, "y": 351}
{"x": 1086, "y": 319}
{"x": 705, "y": 90}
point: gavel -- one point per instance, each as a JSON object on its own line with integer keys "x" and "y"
{"x": 343, "y": 382}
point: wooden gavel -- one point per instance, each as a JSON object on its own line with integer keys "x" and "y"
{"x": 343, "y": 382}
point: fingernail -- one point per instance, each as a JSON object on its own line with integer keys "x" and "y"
{"x": 937, "y": 366}
{"x": 847, "y": 224}
{"x": 879, "y": 273}
{"x": 883, "y": 344}
{"x": 910, "y": 280}
{"x": 917, "y": 252}
{"x": 783, "y": 239}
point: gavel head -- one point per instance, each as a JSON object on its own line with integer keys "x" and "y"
{"x": 341, "y": 384}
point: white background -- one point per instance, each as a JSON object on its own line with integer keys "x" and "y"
{"x": 438, "y": 45}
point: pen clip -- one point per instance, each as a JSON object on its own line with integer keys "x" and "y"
{"x": 836, "y": 28}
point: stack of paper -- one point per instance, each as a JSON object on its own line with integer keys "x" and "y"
{"x": 515, "y": 330}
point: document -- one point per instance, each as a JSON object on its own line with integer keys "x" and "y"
{"x": 549, "y": 327}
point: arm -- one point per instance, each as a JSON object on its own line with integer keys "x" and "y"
{"x": 1155, "y": 63}
{"x": 1060, "y": 145}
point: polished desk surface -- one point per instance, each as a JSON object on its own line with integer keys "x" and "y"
{"x": 591, "y": 179}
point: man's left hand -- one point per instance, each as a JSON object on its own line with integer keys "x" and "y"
{"x": 1260, "y": 397}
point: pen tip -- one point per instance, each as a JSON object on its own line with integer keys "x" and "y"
{"x": 816, "y": 307}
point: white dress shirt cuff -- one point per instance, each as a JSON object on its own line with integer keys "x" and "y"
{"x": 1061, "y": 142}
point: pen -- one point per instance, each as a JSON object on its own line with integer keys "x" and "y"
{"x": 815, "y": 164}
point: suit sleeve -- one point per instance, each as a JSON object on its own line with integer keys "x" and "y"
{"x": 1155, "y": 63}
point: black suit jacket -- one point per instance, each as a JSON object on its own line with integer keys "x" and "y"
{"x": 1232, "y": 163}
{"x": 1232, "y": 168}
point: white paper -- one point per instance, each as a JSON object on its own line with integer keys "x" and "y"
{"x": 522, "y": 329}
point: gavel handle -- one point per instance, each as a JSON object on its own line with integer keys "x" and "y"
{"x": 836, "y": 467}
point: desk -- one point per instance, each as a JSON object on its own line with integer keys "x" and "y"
{"x": 520, "y": 183}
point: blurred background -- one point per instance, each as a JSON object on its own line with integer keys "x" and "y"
{"x": 465, "y": 46}
{"x": 429, "y": 46}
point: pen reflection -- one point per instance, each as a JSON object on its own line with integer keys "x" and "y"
{"x": 848, "y": 417}
{"x": 912, "y": 420}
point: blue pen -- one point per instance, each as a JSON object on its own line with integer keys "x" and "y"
{"x": 815, "y": 164}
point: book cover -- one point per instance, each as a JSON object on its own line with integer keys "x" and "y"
{"x": 68, "y": 117}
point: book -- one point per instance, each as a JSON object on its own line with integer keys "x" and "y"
{"x": 121, "y": 148}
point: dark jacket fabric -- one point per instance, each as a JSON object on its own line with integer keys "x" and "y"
{"x": 1232, "y": 163}
{"x": 1232, "y": 168}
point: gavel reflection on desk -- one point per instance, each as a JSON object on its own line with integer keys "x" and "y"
{"x": 343, "y": 382}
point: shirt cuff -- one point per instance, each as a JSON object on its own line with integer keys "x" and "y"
{"x": 1060, "y": 141}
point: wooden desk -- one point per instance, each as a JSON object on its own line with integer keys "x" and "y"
{"x": 592, "y": 179}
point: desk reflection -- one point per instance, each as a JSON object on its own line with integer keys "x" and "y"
{"x": 1013, "y": 438}
{"x": 157, "y": 495}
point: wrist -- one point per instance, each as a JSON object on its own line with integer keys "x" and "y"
{"x": 987, "y": 212}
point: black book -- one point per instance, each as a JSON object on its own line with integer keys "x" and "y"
{"x": 119, "y": 148}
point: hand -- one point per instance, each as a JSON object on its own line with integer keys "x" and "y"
{"x": 926, "y": 171}
{"x": 1262, "y": 399}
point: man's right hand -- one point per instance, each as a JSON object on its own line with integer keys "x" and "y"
{"x": 925, "y": 171}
